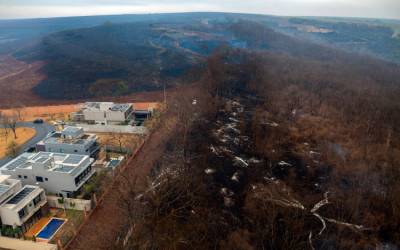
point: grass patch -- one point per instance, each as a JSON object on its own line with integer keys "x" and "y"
{"x": 7, "y": 138}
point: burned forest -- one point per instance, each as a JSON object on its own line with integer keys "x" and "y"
{"x": 276, "y": 152}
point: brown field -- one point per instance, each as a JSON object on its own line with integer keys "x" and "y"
{"x": 23, "y": 135}
{"x": 45, "y": 112}
{"x": 17, "y": 80}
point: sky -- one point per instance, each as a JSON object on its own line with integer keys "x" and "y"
{"x": 10, "y": 9}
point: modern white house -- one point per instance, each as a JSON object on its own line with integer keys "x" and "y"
{"x": 23, "y": 208}
{"x": 71, "y": 140}
{"x": 104, "y": 113}
{"x": 8, "y": 187}
{"x": 58, "y": 173}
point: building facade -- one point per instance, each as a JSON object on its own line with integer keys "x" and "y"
{"x": 104, "y": 113}
{"x": 58, "y": 173}
{"x": 71, "y": 140}
{"x": 24, "y": 207}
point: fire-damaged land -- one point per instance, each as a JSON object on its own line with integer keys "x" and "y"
{"x": 266, "y": 140}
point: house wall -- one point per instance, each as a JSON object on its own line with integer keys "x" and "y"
{"x": 82, "y": 149}
{"x": 114, "y": 128}
{"x": 9, "y": 215}
{"x": 57, "y": 182}
{"x": 115, "y": 116}
{"x": 101, "y": 116}
{"x": 92, "y": 115}
{"x": 80, "y": 204}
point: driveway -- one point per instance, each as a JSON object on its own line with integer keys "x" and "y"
{"x": 42, "y": 129}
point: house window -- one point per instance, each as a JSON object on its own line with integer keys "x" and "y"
{"x": 21, "y": 213}
{"x": 25, "y": 177}
{"x": 19, "y": 176}
{"x": 37, "y": 200}
{"x": 39, "y": 178}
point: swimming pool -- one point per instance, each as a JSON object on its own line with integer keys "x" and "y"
{"x": 114, "y": 162}
{"x": 48, "y": 231}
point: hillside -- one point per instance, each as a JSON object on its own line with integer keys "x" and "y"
{"x": 379, "y": 38}
{"x": 109, "y": 60}
{"x": 279, "y": 152}
{"x": 118, "y": 55}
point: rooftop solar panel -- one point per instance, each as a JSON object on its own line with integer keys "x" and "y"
{"x": 17, "y": 162}
{"x": 73, "y": 159}
{"x": 41, "y": 154}
{"x": 41, "y": 159}
{"x": 20, "y": 195}
{"x": 59, "y": 157}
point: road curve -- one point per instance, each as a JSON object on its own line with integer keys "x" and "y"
{"x": 42, "y": 129}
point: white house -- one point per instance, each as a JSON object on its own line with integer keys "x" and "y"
{"x": 58, "y": 173}
{"x": 71, "y": 140}
{"x": 23, "y": 208}
{"x": 8, "y": 187}
{"x": 104, "y": 112}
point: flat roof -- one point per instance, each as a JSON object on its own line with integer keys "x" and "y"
{"x": 64, "y": 163}
{"x": 57, "y": 138}
{"x": 122, "y": 107}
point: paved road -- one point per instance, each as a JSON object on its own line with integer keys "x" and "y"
{"x": 41, "y": 132}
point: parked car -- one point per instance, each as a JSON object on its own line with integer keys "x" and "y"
{"x": 30, "y": 150}
{"x": 38, "y": 121}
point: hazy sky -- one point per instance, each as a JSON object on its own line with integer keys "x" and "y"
{"x": 51, "y": 8}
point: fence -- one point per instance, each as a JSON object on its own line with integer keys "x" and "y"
{"x": 69, "y": 203}
{"x": 124, "y": 129}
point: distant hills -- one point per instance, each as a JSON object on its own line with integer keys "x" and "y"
{"x": 116, "y": 55}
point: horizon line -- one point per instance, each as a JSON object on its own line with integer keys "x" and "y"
{"x": 199, "y": 12}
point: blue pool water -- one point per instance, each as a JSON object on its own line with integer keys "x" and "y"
{"x": 51, "y": 227}
{"x": 114, "y": 163}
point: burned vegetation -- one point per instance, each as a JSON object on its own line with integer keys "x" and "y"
{"x": 276, "y": 152}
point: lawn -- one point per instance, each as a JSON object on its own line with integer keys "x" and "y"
{"x": 23, "y": 135}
